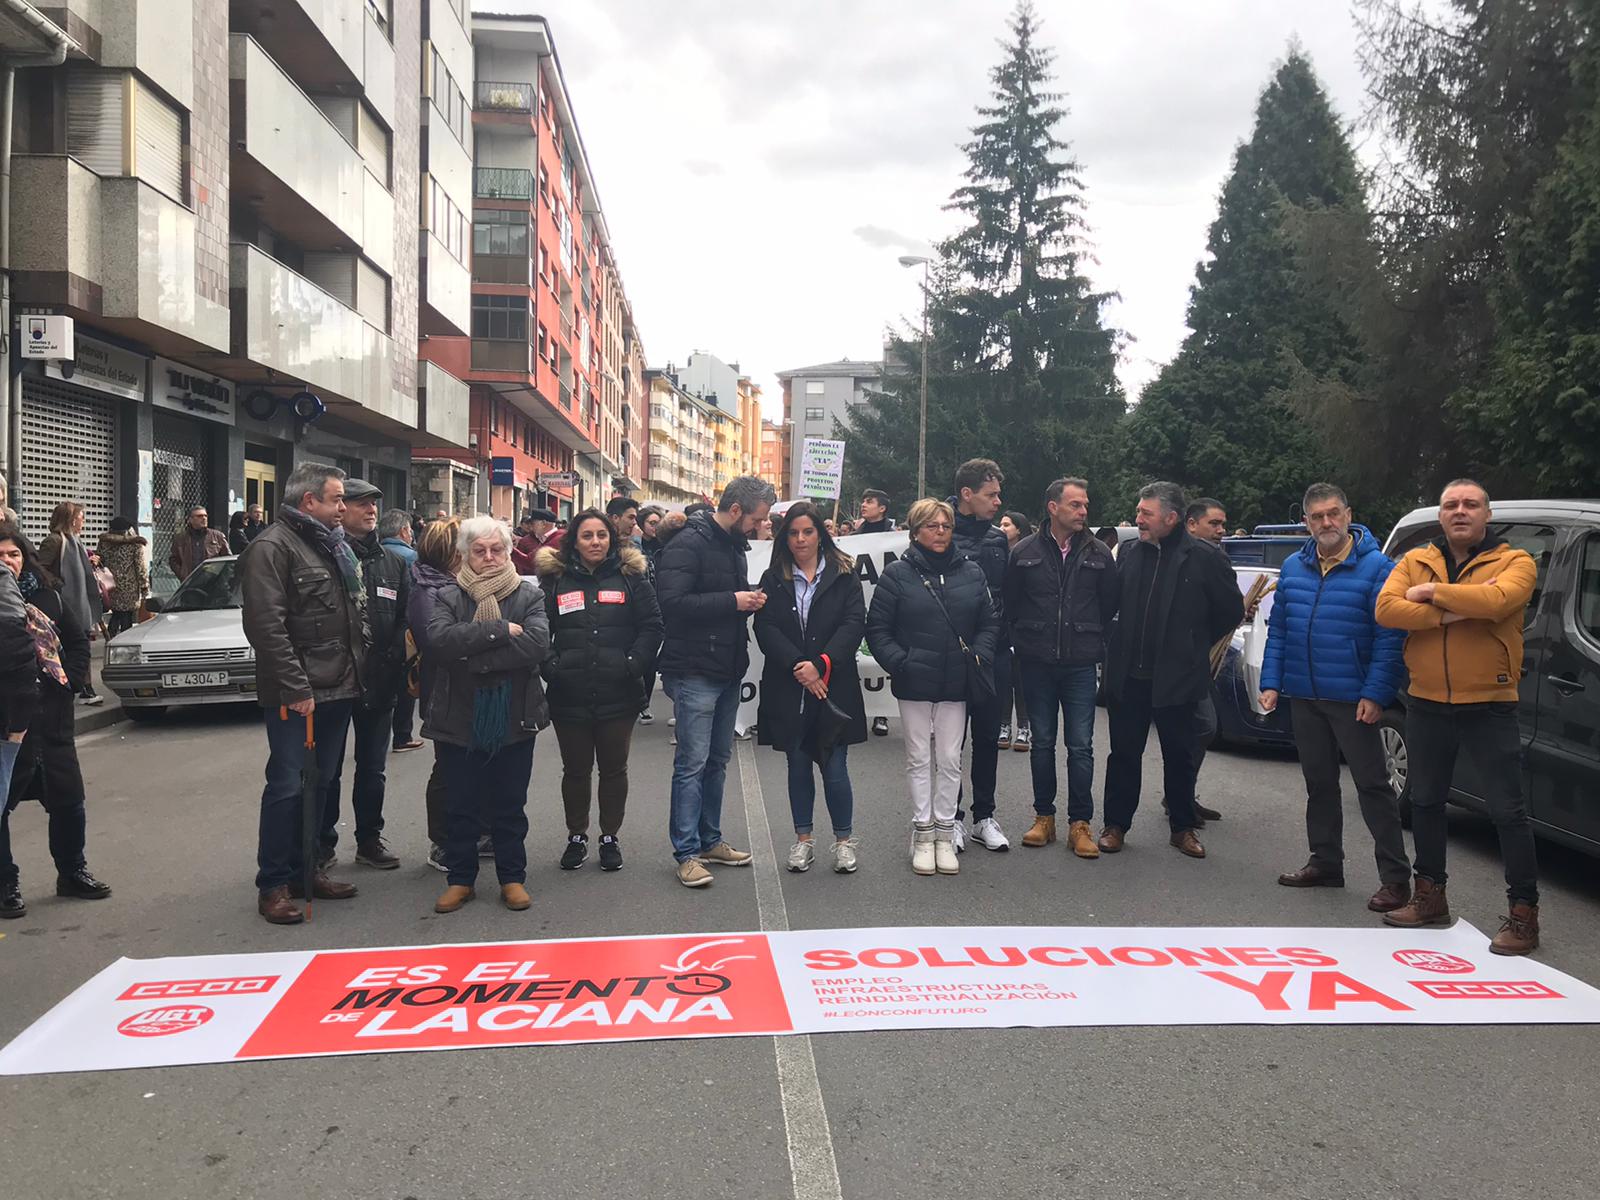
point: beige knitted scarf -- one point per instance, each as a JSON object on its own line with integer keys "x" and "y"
{"x": 488, "y": 590}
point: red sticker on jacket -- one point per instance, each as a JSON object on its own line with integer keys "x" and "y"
{"x": 613, "y": 597}
{"x": 570, "y": 602}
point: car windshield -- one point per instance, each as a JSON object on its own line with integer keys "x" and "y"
{"x": 213, "y": 585}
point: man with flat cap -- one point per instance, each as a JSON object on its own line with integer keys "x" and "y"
{"x": 386, "y": 587}
{"x": 541, "y": 523}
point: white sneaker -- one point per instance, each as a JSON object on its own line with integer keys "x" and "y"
{"x": 844, "y": 856}
{"x": 671, "y": 721}
{"x": 801, "y": 855}
{"x": 646, "y": 719}
{"x": 958, "y": 834}
{"x": 944, "y": 856}
{"x": 988, "y": 834}
{"x": 922, "y": 851}
{"x": 1023, "y": 740}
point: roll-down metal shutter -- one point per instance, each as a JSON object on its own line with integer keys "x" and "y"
{"x": 69, "y": 452}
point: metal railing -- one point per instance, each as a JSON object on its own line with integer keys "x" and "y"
{"x": 502, "y": 183}
{"x": 501, "y": 96}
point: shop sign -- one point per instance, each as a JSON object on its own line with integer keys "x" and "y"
{"x": 185, "y": 390}
{"x": 503, "y": 472}
{"x": 102, "y": 366}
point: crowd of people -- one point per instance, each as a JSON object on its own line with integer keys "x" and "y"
{"x": 994, "y": 633}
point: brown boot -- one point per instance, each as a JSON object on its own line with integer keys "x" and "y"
{"x": 1081, "y": 840}
{"x": 323, "y": 888}
{"x": 1042, "y": 833}
{"x": 274, "y": 904}
{"x": 1185, "y": 842}
{"x": 1111, "y": 839}
{"x": 1428, "y": 907}
{"x": 516, "y": 896}
{"x": 454, "y": 897}
{"x": 1519, "y": 932}
{"x": 1390, "y": 896}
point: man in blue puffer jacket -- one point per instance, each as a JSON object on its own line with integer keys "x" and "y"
{"x": 1327, "y": 652}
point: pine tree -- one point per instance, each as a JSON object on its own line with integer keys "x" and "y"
{"x": 1217, "y": 418}
{"x": 1021, "y": 366}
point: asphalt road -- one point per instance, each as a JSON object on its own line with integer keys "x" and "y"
{"x": 1137, "y": 1112}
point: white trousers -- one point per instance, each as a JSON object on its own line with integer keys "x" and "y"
{"x": 934, "y": 733}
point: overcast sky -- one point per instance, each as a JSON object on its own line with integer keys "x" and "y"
{"x": 762, "y": 164}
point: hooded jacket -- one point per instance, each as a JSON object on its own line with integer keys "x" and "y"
{"x": 605, "y": 632}
{"x": 1323, "y": 641}
{"x": 697, "y": 573}
{"x": 1473, "y": 661}
{"x": 426, "y": 584}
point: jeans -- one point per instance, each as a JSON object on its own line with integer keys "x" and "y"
{"x": 1054, "y": 690}
{"x": 405, "y": 709}
{"x": 278, "y": 843}
{"x": 68, "y": 823}
{"x": 836, "y": 790}
{"x": 933, "y": 757}
{"x": 705, "y": 710}
{"x": 366, "y": 795}
{"x": 487, "y": 793}
{"x": 986, "y": 720}
{"x": 585, "y": 745}
{"x": 1131, "y": 717}
{"x": 1435, "y": 734}
{"x": 1322, "y": 730}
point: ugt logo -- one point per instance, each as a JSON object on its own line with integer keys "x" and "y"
{"x": 1433, "y": 960}
{"x": 158, "y": 1022}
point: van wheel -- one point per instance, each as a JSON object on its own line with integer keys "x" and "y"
{"x": 146, "y": 713}
{"x": 1397, "y": 761}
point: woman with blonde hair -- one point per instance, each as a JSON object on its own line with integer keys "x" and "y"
{"x": 65, "y": 557}
{"x": 933, "y": 628}
{"x": 435, "y": 569}
{"x": 486, "y": 638}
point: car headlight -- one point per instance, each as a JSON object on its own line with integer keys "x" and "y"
{"x": 122, "y": 656}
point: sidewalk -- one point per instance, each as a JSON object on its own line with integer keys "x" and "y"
{"x": 90, "y": 717}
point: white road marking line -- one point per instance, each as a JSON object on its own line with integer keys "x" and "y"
{"x": 812, "y": 1164}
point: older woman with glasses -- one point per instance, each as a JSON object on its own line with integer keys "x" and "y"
{"x": 486, "y": 638}
{"x": 933, "y": 628}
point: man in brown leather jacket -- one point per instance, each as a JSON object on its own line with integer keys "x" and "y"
{"x": 304, "y": 613}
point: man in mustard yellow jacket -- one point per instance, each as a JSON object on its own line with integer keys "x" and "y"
{"x": 1461, "y": 600}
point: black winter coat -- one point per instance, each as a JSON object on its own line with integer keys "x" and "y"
{"x": 1193, "y": 602}
{"x": 697, "y": 573}
{"x": 605, "y": 632}
{"x": 984, "y": 543}
{"x": 1059, "y": 610}
{"x": 426, "y": 584}
{"x": 47, "y": 763}
{"x": 468, "y": 655}
{"x": 388, "y": 580}
{"x": 910, "y": 637}
{"x": 834, "y": 627}
{"x": 19, "y": 662}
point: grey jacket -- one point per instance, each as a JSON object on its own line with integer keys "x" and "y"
{"x": 305, "y": 627}
{"x": 467, "y": 655}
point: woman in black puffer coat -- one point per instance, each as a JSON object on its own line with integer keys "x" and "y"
{"x": 605, "y": 631}
{"x": 47, "y": 764}
{"x": 909, "y": 631}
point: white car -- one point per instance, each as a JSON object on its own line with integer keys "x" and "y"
{"x": 193, "y": 651}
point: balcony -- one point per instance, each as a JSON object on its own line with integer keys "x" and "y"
{"x": 513, "y": 269}
{"x": 515, "y": 356}
{"x": 499, "y": 96}
{"x": 443, "y": 405}
{"x": 502, "y": 183}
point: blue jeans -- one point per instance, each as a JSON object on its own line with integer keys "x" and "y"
{"x": 1068, "y": 690}
{"x": 373, "y": 735}
{"x": 835, "y": 788}
{"x": 8, "y": 762}
{"x": 486, "y": 794}
{"x": 705, "y": 710}
{"x": 278, "y": 844}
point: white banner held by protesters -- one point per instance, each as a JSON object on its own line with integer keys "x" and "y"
{"x": 295, "y": 1004}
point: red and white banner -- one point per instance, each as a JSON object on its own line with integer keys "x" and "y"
{"x": 233, "y": 1007}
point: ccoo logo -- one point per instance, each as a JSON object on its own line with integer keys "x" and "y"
{"x": 158, "y": 1022}
{"x": 1433, "y": 960}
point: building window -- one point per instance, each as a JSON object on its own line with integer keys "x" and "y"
{"x": 448, "y": 98}
{"x": 500, "y": 318}
{"x": 815, "y": 387}
{"x": 500, "y": 231}
{"x": 816, "y": 414}
{"x": 373, "y": 143}
{"x": 98, "y": 114}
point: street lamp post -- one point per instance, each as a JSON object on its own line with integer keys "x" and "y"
{"x": 921, "y": 260}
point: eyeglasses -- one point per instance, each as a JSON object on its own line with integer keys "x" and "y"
{"x": 936, "y": 527}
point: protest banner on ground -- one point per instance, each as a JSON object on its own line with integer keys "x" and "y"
{"x": 238, "y": 1007}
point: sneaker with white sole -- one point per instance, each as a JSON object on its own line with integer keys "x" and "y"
{"x": 958, "y": 835}
{"x": 1005, "y": 737}
{"x": 944, "y": 853}
{"x": 692, "y": 873}
{"x": 1022, "y": 742}
{"x": 436, "y": 857}
{"x": 988, "y": 834}
{"x": 576, "y": 853}
{"x": 844, "y": 856}
{"x": 671, "y": 721}
{"x": 724, "y": 855}
{"x": 801, "y": 855}
{"x": 646, "y": 719}
{"x": 880, "y": 726}
{"x": 922, "y": 853}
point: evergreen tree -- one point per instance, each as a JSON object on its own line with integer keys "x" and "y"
{"x": 1021, "y": 366}
{"x": 1218, "y": 417}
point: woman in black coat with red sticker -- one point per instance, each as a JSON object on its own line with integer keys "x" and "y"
{"x": 811, "y": 706}
{"x": 605, "y": 631}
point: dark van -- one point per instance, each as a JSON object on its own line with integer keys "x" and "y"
{"x": 1559, "y": 707}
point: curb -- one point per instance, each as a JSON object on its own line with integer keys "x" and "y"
{"x": 87, "y": 720}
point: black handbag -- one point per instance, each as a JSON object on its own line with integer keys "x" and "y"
{"x": 980, "y": 675}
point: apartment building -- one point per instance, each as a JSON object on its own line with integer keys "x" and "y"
{"x": 546, "y": 357}
{"x": 773, "y": 464}
{"x": 681, "y": 466}
{"x": 223, "y": 198}
{"x": 816, "y": 397}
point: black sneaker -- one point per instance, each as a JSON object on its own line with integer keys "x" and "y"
{"x": 880, "y": 726}
{"x": 576, "y": 853}
{"x": 80, "y": 885}
{"x": 610, "y": 853}
{"x": 11, "y": 905}
{"x": 373, "y": 853}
